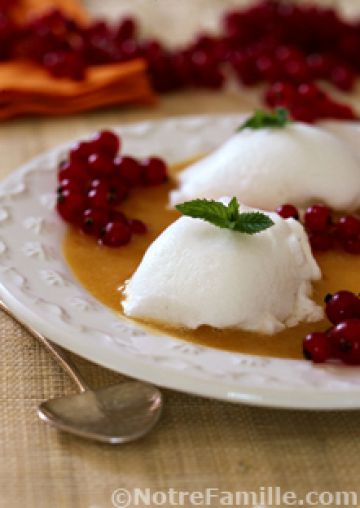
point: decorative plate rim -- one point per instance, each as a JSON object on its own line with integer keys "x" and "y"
{"x": 40, "y": 290}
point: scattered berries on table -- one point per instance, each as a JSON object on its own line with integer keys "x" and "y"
{"x": 264, "y": 43}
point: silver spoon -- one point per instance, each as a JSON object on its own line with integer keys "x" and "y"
{"x": 114, "y": 414}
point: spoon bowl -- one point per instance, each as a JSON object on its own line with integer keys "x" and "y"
{"x": 114, "y": 414}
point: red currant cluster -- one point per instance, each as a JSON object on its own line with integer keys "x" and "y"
{"x": 341, "y": 341}
{"x": 95, "y": 180}
{"x": 306, "y": 102}
{"x": 325, "y": 233}
{"x": 64, "y": 47}
{"x": 299, "y": 44}
{"x": 288, "y": 46}
{"x": 196, "y": 66}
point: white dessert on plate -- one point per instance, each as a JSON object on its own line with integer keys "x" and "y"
{"x": 297, "y": 163}
{"x": 346, "y": 131}
{"x": 197, "y": 274}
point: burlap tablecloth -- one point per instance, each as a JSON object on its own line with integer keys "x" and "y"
{"x": 198, "y": 443}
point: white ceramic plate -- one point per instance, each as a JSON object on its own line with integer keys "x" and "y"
{"x": 40, "y": 290}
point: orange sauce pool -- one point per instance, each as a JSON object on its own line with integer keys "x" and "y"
{"x": 102, "y": 270}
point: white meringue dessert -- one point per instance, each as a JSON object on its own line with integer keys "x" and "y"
{"x": 298, "y": 164}
{"x": 197, "y": 274}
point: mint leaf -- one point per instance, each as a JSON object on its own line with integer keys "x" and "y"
{"x": 252, "y": 222}
{"x": 264, "y": 119}
{"x": 211, "y": 211}
{"x": 233, "y": 209}
{"x": 226, "y": 217}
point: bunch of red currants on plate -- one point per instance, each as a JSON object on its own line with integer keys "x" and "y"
{"x": 95, "y": 179}
{"x": 342, "y": 340}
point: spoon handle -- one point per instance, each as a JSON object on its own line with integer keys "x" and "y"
{"x": 59, "y": 354}
{"x": 63, "y": 359}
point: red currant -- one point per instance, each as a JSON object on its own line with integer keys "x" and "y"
{"x": 308, "y": 93}
{"x": 100, "y": 196}
{"x": 63, "y": 64}
{"x": 349, "y": 227}
{"x": 95, "y": 182}
{"x": 94, "y": 219}
{"x": 213, "y": 79}
{"x": 201, "y": 61}
{"x": 129, "y": 171}
{"x": 316, "y": 347}
{"x": 115, "y": 234}
{"x": 126, "y": 29}
{"x": 288, "y": 211}
{"x": 280, "y": 94}
{"x": 70, "y": 206}
{"x": 296, "y": 70}
{"x": 182, "y": 67}
{"x": 327, "y": 108}
{"x": 320, "y": 66}
{"x": 119, "y": 191}
{"x": 343, "y": 77}
{"x": 137, "y": 227}
{"x": 155, "y": 171}
{"x": 303, "y": 113}
{"x": 345, "y": 339}
{"x": 342, "y": 305}
{"x": 320, "y": 241}
{"x": 100, "y": 164}
{"x": 286, "y": 54}
{"x": 268, "y": 69}
{"x": 152, "y": 49}
{"x": 71, "y": 184}
{"x": 73, "y": 171}
{"x": 245, "y": 69}
{"x": 317, "y": 218}
{"x": 130, "y": 49}
{"x": 80, "y": 152}
{"x": 107, "y": 142}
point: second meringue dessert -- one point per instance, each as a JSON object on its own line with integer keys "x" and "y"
{"x": 248, "y": 270}
{"x": 271, "y": 161}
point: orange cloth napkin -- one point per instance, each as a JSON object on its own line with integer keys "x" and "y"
{"x": 26, "y": 88}
{"x": 25, "y": 9}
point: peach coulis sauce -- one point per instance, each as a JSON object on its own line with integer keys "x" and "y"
{"x": 102, "y": 271}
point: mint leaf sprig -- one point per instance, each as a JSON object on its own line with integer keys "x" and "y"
{"x": 263, "y": 119}
{"x": 226, "y": 216}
